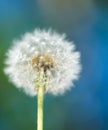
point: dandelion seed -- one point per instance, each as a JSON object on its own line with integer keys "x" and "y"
{"x": 43, "y": 49}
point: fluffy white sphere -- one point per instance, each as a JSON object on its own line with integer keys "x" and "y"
{"x": 20, "y": 55}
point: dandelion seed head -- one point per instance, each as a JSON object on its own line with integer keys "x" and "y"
{"x": 45, "y": 50}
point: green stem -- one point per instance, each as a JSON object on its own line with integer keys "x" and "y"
{"x": 40, "y": 108}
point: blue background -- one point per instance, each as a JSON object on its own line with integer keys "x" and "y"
{"x": 85, "y": 22}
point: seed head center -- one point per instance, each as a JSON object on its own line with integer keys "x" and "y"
{"x": 44, "y": 62}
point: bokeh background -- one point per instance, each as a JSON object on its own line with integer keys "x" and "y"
{"x": 85, "y": 22}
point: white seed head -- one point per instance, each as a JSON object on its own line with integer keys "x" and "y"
{"x": 47, "y": 51}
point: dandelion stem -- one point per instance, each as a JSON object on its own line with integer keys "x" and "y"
{"x": 40, "y": 106}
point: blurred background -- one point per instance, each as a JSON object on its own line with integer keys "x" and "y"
{"x": 85, "y": 22}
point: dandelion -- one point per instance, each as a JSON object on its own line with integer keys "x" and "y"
{"x": 43, "y": 62}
